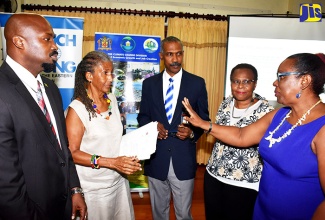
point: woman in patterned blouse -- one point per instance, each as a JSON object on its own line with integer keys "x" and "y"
{"x": 232, "y": 175}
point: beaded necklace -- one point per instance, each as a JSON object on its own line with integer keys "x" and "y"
{"x": 288, "y": 132}
{"x": 97, "y": 110}
{"x": 243, "y": 114}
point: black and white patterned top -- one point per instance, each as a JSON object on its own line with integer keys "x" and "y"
{"x": 234, "y": 164}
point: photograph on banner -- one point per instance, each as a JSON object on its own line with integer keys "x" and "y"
{"x": 135, "y": 58}
{"x": 68, "y": 37}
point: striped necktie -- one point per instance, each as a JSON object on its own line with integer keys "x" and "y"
{"x": 41, "y": 103}
{"x": 169, "y": 100}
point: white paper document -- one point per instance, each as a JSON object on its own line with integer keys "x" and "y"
{"x": 140, "y": 142}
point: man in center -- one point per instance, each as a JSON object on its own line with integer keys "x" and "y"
{"x": 171, "y": 169}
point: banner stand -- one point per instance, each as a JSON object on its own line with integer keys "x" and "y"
{"x": 135, "y": 58}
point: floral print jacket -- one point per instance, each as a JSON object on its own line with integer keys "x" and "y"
{"x": 240, "y": 164}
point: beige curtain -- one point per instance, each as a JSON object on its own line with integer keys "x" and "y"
{"x": 204, "y": 44}
{"x": 204, "y": 55}
{"x": 112, "y": 23}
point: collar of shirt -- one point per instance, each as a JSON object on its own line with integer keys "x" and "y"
{"x": 30, "y": 83}
{"x": 24, "y": 75}
{"x": 177, "y": 80}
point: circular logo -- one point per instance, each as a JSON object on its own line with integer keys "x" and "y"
{"x": 127, "y": 44}
{"x": 150, "y": 45}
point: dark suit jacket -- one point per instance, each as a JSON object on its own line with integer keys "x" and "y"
{"x": 36, "y": 175}
{"x": 183, "y": 152}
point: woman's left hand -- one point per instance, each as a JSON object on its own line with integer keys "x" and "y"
{"x": 127, "y": 165}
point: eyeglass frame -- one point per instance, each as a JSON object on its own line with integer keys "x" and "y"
{"x": 286, "y": 74}
{"x": 244, "y": 82}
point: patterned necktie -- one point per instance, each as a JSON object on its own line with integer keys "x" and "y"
{"x": 41, "y": 103}
{"x": 169, "y": 100}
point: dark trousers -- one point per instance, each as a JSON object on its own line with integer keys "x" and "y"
{"x": 227, "y": 202}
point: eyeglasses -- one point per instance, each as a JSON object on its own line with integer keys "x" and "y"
{"x": 244, "y": 82}
{"x": 281, "y": 75}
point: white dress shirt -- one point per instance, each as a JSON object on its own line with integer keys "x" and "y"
{"x": 177, "y": 84}
{"x": 30, "y": 83}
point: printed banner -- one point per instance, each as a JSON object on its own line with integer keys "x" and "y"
{"x": 135, "y": 58}
{"x": 69, "y": 35}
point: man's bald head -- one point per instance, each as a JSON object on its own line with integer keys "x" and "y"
{"x": 30, "y": 41}
{"x": 22, "y": 25}
{"x": 18, "y": 24}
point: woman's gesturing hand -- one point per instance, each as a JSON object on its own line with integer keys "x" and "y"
{"x": 194, "y": 119}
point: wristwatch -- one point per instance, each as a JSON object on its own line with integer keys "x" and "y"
{"x": 192, "y": 135}
{"x": 77, "y": 190}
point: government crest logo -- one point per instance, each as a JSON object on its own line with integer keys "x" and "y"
{"x": 104, "y": 43}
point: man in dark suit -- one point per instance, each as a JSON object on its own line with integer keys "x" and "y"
{"x": 38, "y": 179}
{"x": 171, "y": 169}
